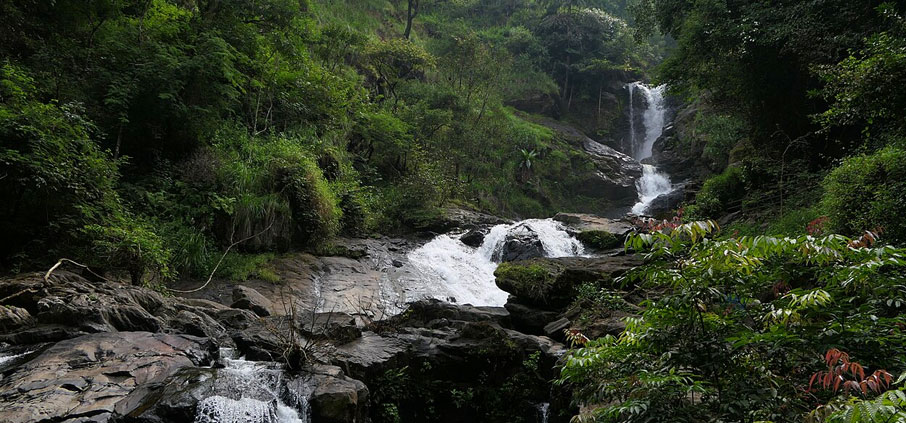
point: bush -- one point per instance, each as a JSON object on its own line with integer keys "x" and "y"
{"x": 600, "y": 240}
{"x": 275, "y": 183}
{"x": 313, "y": 206}
{"x": 127, "y": 242}
{"x": 54, "y": 179}
{"x": 868, "y": 192}
{"x": 718, "y": 193}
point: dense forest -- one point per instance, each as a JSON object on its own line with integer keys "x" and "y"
{"x": 166, "y": 142}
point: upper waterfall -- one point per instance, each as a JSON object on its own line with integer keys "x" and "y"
{"x": 653, "y": 183}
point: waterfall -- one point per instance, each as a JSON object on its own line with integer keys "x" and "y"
{"x": 252, "y": 392}
{"x": 653, "y": 183}
{"x": 544, "y": 412}
{"x": 450, "y": 270}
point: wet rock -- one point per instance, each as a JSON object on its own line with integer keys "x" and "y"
{"x": 337, "y": 398}
{"x": 339, "y": 327}
{"x": 474, "y": 237}
{"x": 370, "y": 355}
{"x": 550, "y": 283}
{"x": 96, "y": 376}
{"x": 250, "y": 299}
{"x": 13, "y": 318}
{"x": 666, "y": 204}
{"x": 521, "y": 243}
{"x": 528, "y": 319}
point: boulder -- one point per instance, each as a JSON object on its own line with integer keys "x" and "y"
{"x": 521, "y": 243}
{"x": 528, "y": 319}
{"x": 474, "y": 237}
{"x": 555, "y": 329}
{"x": 98, "y": 376}
{"x": 249, "y": 299}
{"x": 337, "y": 398}
{"x": 551, "y": 282}
{"x": 339, "y": 327}
{"x": 579, "y": 222}
{"x": 14, "y": 318}
{"x": 423, "y": 313}
{"x": 666, "y": 203}
{"x": 614, "y": 176}
{"x": 370, "y": 355}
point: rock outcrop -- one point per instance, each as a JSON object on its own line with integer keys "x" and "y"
{"x": 551, "y": 283}
{"x": 521, "y": 243}
{"x": 97, "y": 376}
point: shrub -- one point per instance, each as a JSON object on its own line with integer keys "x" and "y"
{"x": 867, "y": 192}
{"x": 275, "y": 183}
{"x": 127, "y": 242}
{"x": 599, "y": 239}
{"x": 718, "y": 193}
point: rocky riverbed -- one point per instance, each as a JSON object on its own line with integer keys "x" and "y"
{"x": 321, "y": 345}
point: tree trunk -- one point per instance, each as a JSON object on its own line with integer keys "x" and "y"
{"x": 411, "y": 12}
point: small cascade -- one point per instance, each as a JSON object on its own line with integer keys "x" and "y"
{"x": 544, "y": 412}
{"x": 653, "y": 183}
{"x": 450, "y": 270}
{"x": 252, "y": 392}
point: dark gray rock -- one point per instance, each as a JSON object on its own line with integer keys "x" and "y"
{"x": 335, "y": 397}
{"x": 474, "y": 237}
{"x": 528, "y": 319}
{"x": 666, "y": 203}
{"x": 14, "y": 318}
{"x": 97, "y": 376}
{"x": 250, "y": 299}
{"x": 338, "y": 327}
{"x": 555, "y": 329}
{"x": 521, "y": 243}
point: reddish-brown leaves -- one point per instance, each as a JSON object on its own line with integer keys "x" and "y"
{"x": 868, "y": 239}
{"x": 839, "y": 367}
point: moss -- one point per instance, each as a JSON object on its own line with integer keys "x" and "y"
{"x": 600, "y": 240}
{"x": 531, "y": 280}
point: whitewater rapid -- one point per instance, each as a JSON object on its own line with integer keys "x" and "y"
{"x": 455, "y": 272}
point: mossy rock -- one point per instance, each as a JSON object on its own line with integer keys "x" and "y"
{"x": 552, "y": 282}
{"x": 599, "y": 240}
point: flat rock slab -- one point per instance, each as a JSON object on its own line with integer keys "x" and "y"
{"x": 588, "y": 222}
{"x": 96, "y": 377}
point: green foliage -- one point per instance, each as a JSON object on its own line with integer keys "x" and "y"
{"x": 720, "y": 134}
{"x": 276, "y": 187}
{"x": 127, "y": 242}
{"x": 735, "y": 327}
{"x": 718, "y": 194}
{"x": 53, "y": 177}
{"x": 242, "y": 267}
{"x": 868, "y": 192}
{"x": 862, "y": 88}
{"x": 601, "y": 240}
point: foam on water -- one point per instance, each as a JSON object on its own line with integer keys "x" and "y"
{"x": 453, "y": 270}
{"x": 251, "y": 392}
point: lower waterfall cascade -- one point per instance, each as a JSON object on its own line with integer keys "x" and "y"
{"x": 453, "y": 270}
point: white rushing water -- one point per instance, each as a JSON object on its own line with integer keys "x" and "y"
{"x": 7, "y": 358}
{"x": 252, "y": 392}
{"x": 653, "y": 183}
{"x": 453, "y": 270}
